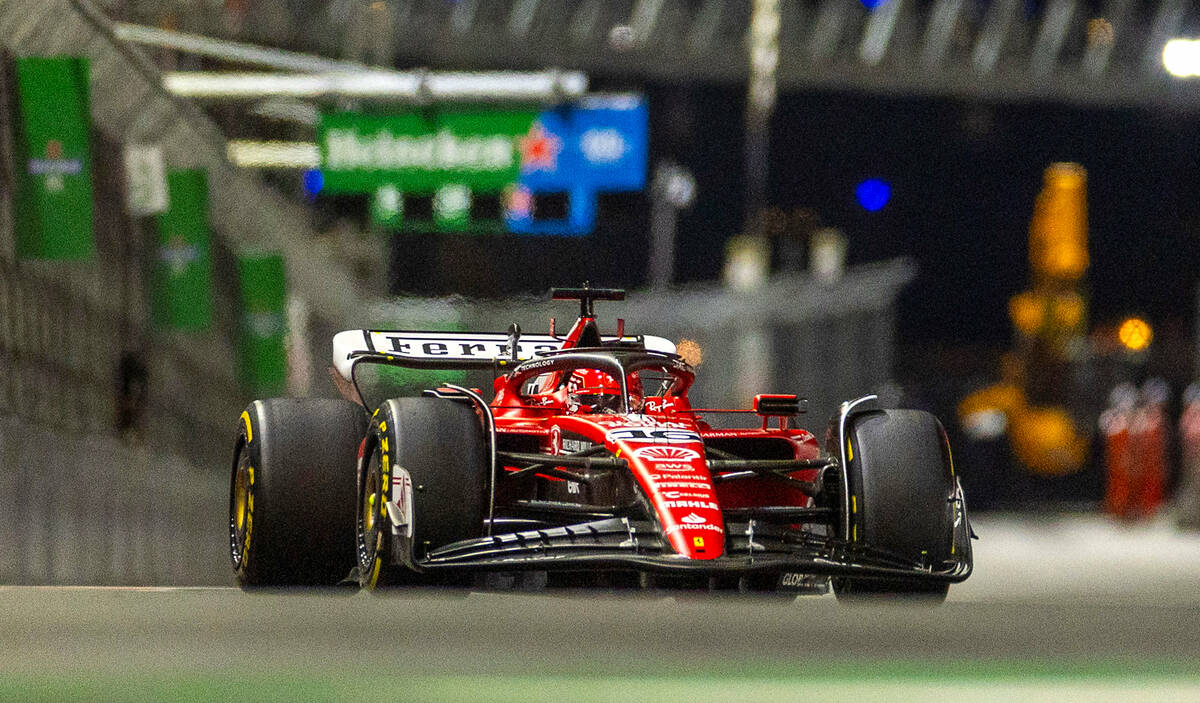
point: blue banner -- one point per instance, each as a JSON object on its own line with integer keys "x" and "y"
{"x": 597, "y": 144}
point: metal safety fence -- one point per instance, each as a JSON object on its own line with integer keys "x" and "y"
{"x": 85, "y": 508}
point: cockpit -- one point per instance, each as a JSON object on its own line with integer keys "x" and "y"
{"x": 603, "y": 380}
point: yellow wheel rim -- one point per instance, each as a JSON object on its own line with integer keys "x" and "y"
{"x": 241, "y": 492}
{"x": 370, "y": 498}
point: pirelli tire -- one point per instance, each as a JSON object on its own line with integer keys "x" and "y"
{"x": 292, "y": 492}
{"x": 902, "y": 489}
{"x": 427, "y": 458}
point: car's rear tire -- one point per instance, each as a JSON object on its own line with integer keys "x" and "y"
{"x": 291, "y": 492}
{"x": 437, "y": 447}
{"x": 902, "y": 489}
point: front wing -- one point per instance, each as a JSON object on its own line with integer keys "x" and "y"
{"x": 624, "y": 544}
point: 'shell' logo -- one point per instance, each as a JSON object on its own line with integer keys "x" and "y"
{"x": 666, "y": 454}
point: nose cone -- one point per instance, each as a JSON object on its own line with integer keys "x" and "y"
{"x": 675, "y": 477}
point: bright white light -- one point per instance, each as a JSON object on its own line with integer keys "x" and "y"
{"x": 540, "y": 86}
{"x": 252, "y": 154}
{"x": 1181, "y": 57}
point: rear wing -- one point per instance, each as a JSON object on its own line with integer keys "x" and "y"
{"x": 452, "y": 350}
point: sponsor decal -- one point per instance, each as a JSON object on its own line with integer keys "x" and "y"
{"x": 540, "y": 364}
{"x": 178, "y": 255}
{"x": 670, "y": 482}
{"x": 698, "y": 542}
{"x": 793, "y": 579}
{"x": 704, "y": 526}
{"x": 603, "y": 145}
{"x": 697, "y": 478}
{"x": 466, "y": 345}
{"x": 666, "y": 453}
{"x": 556, "y": 441}
{"x": 671, "y": 466}
{"x": 576, "y": 445}
{"x": 54, "y": 166}
{"x": 652, "y": 435}
{"x": 539, "y": 149}
{"x": 349, "y": 149}
{"x": 704, "y": 504}
{"x": 676, "y": 495}
{"x": 402, "y": 499}
{"x": 693, "y": 518}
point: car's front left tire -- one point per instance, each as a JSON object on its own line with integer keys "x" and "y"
{"x": 427, "y": 458}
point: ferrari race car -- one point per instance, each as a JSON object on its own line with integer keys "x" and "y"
{"x": 588, "y": 466}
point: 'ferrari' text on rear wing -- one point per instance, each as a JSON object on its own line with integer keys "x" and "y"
{"x": 453, "y": 349}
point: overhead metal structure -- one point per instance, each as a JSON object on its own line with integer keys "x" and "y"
{"x": 1105, "y": 53}
{"x": 314, "y": 76}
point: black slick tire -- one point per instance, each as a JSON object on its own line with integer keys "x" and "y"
{"x": 292, "y": 492}
{"x": 439, "y": 449}
{"x": 902, "y": 487}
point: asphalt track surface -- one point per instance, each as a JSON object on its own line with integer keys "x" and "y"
{"x": 1059, "y": 609}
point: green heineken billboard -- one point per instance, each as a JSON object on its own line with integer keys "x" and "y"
{"x": 419, "y": 152}
{"x": 263, "y": 286}
{"x": 53, "y": 201}
{"x": 181, "y": 274}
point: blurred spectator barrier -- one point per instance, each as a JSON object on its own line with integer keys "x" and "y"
{"x": 80, "y": 366}
{"x": 1135, "y": 450}
{"x": 79, "y": 508}
{"x": 1188, "y": 499}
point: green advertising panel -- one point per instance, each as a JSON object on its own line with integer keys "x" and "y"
{"x": 263, "y": 285}
{"x": 419, "y": 152}
{"x": 53, "y": 201}
{"x": 181, "y": 277}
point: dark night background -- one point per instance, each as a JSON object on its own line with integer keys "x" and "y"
{"x": 964, "y": 177}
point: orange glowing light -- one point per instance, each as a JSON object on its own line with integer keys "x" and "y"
{"x": 1135, "y": 334}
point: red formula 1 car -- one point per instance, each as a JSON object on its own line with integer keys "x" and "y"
{"x": 588, "y": 466}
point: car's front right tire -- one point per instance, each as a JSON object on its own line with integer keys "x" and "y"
{"x": 427, "y": 459}
{"x": 902, "y": 489}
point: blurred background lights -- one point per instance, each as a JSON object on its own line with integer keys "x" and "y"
{"x": 313, "y": 181}
{"x": 1100, "y": 32}
{"x": 1135, "y": 334}
{"x": 1181, "y": 57}
{"x": 873, "y": 194}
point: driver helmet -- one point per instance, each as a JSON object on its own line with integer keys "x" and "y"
{"x": 590, "y": 390}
